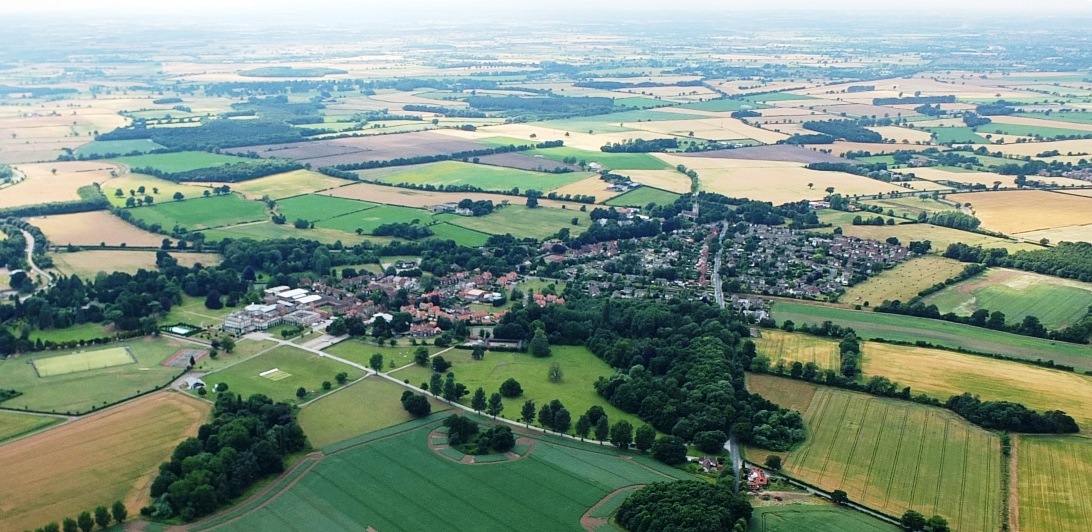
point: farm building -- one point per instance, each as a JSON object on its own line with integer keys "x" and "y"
{"x": 193, "y": 383}
{"x": 756, "y": 479}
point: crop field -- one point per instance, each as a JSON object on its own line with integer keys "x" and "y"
{"x": 814, "y": 518}
{"x": 943, "y": 373}
{"x": 270, "y": 231}
{"x": 614, "y": 122}
{"x": 910, "y": 207}
{"x": 589, "y": 186}
{"x": 1074, "y": 117}
{"x": 894, "y": 455}
{"x": 794, "y": 347}
{"x": 903, "y": 281}
{"x": 15, "y": 424}
{"x": 407, "y": 197}
{"x": 478, "y": 175}
{"x": 369, "y": 219}
{"x": 94, "y": 388}
{"x": 87, "y": 264}
{"x": 313, "y": 207}
{"x": 1054, "y": 482}
{"x": 202, "y": 213}
{"x": 95, "y": 460}
{"x": 941, "y": 237}
{"x": 360, "y": 149}
{"x": 81, "y": 361}
{"x": 100, "y": 148}
{"x": 520, "y": 221}
{"x": 43, "y": 185}
{"x": 461, "y": 235}
{"x": 577, "y": 392}
{"x": 366, "y": 486}
{"x": 520, "y": 161}
{"x": 1014, "y": 212}
{"x": 304, "y": 369}
{"x": 1055, "y": 301}
{"x": 360, "y": 352}
{"x": 366, "y": 406}
{"x": 911, "y": 329}
{"x": 92, "y": 229}
{"x": 614, "y": 161}
{"x": 1034, "y": 129}
{"x": 962, "y": 135}
{"x": 286, "y": 185}
{"x": 182, "y": 161}
{"x": 161, "y": 190}
{"x": 643, "y": 196}
{"x": 723, "y": 105}
{"x": 670, "y": 180}
{"x": 784, "y": 153}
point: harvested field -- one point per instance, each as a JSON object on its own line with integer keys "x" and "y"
{"x": 710, "y": 129}
{"x": 1070, "y": 233}
{"x": 522, "y": 161}
{"x": 670, "y": 180}
{"x": 1055, "y": 301}
{"x": 643, "y": 196}
{"x": 1015, "y": 212}
{"x": 781, "y": 153}
{"x": 88, "y": 263}
{"x": 286, "y": 185}
{"x": 903, "y": 281}
{"x": 591, "y": 186}
{"x": 902, "y": 134}
{"x": 93, "y": 228}
{"x": 361, "y": 149}
{"x": 983, "y": 178}
{"x": 407, "y": 197}
{"x": 95, "y": 460}
{"x": 941, "y": 237}
{"x": 792, "y": 347}
{"x": 42, "y": 185}
{"x": 1054, "y": 481}
{"x": 1031, "y": 149}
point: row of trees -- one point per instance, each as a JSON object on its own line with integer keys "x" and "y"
{"x": 641, "y": 146}
{"x": 86, "y": 521}
{"x": 228, "y": 173}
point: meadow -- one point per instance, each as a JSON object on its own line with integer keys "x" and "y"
{"x": 894, "y": 455}
{"x": 614, "y": 161}
{"x": 161, "y": 190}
{"x": 522, "y": 222}
{"x": 478, "y": 175}
{"x": 1026, "y": 130}
{"x": 182, "y": 161}
{"x": 1054, "y": 480}
{"x": 15, "y": 424}
{"x": 795, "y": 347}
{"x": 270, "y": 231}
{"x": 368, "y": 485}
{"x": 642, "y": 197}
{"x": 903, "y": 281}
{"x": 79, "y": 465}
{"x": 909, "y": 207}
{"x": 1055, "y": 301}
{"x": 911, "y": 329}
{"x": 303, "y": 369}
{"x": 93, "y": 229}
{"x": 461, "y": 235}
{"x": 101, "y": 148}
{"x": 286, "y": 185}
{"x": 313, "y": 207}
{"x": 201, "y": 213}
{"x": 814, "y": 518}
{"x": 368, "y": 220}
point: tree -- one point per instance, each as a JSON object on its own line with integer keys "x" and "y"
{"x": 532, "y": 201}
{"x": 85, "y": 522}
{"x": 69, "y": 525}
{"x": 912, "y": 521}
{"x": 436, "y": 384}
{"x": 478, "y": 353}
{"x": 602, "y": 428}
{"x": 583, "y": 426}
{"x": 670, "y": 450}
{"x": 839, "y": 497}
{"x": 212, "y": 300}
{"x": 621, "y": 435}
{"x": 644, "y": 437}
{"x": 227, "y": 344}
{"x": 527, "y": 415}
{"x": 451, "y": 390}
{"x": 563, "y": 420}
{"x": 119, "y": 511}
{"x": 178, "y": 196}
{"x": 539, "y": 345}
{"x": 416, "y": 405}
{"x": 495, "y": 406}
{"x": 341, "y": 377}
{"x": 439, "y": 365}
{"x": 711, "y": 441}
{"x": 477, "y": 402}
{"x": 937, "y": 524}
{"x": 376, "y": 362}
{"x": 301, "y": 392}
{"x": 326, "y": 385}
{"x": 102, "y": 517}
{"x": 554, "y": 374}
{"x": 420, "y": 356}
{"x": 773, "y": 462}
{"x": 511, "y": 388}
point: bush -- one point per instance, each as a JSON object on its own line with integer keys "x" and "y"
{"x": 511, "y": 388}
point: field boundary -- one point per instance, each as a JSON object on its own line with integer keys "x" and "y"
{"x": 591, "y": 523}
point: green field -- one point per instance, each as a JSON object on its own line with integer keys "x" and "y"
{"x": 461, "y": 235}
{"x": 910, "y": 329}
{"x": 314, "y": 208}
{"x": 101, "y": 148}
{"x": 724, "y": 105}
{"x": 520, "y": 221}
{"x": 643, "y": 196}
{"x": 13, "y": 425}
{"x": 1056, "y": 302}
{"x": 271, "y": 231}
{"x": 201, "y": 213}
{"x": 1054, "y": 483}
{"x": 962, "y": 135}
{"x": 182, "y": 161}
{"x": 777, "y": 97}
{"x": 614, "y": 161}
{"x": 366, "y": 406}
{"x": 903, "y": 281}
{"x": 997, "y": 128}
{"x": 304, "y": 369}
{"x": 814, "y": 518}
{"x": 576, "y": 391}
{"x": 369, "y": 219}
{"x": 79, "y": 392}
{"x": 371, "y": 485}
{"x": 83, "y": 361}
{"x": 83, "y": 331}
{"x": 1076, "y": 117}
{"x": 287, "y": 184}
{"x": 361, "y": 352}
{"x": 194, "y": 312}
{"x": 895, "y": 455}
{"x": 910, "y": 207}
{"x": 614, "y": 122}
{"x": 482, "y": 176}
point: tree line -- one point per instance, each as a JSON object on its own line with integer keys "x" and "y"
{"x": 641, "y": 146}
{"x": 849, "y": 130}
{"x": 228, "y": 173}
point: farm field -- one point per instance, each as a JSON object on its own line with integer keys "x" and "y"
{"x": 576, "y": 391}
{"x": 615, "y": 121}
{"x": 614, "y": 161}
{"x": 461, "y": 235}
{"x": 14, "y": 424}
{"x": 88, "y": 263}
{"x": 286, "y": 185}
{"x": 670, "y": 180}
{"x": 94, "y": 388}
{"x": 910, "y": 207}
{"x": 814, "y": 518}
{"x": 101, "y": 148}
{"x": 313, "y": 207}
{"x": 43, "y": 185}
{"x": 360, "y": 352}
{"x": 526, "y": 162}
{"x": 366, "y": 486}
{"x": 92, "y": 229}
{"x": 161, "y": 190}
{"x": 1032, "y": 128}
{"x": 361, "y": 149}
{"x": 1054, "y": 480}
{"x": 485, "y": 177}
{"x": 589, "y": 186}
{"x": 941, "y": 237}
{"x": 1071, "y": 233}
{"x": 520, "y": 221}
{"x": 297, "y": 368}
{"x": 795, "y": 347}
{"x": 68, "y": 469}
{"x": 1015, "y": 212}
{"x": 369, "y": 219}
{"x": 268, "y": 230}
{"x": 1055, "y": 301}
{"x": 366, "y": 406}
{"x": 892, "y": 455}
{"x": 407, "y": 197}
{"x": 961, "y": 135}
{"x": 201, "y": 213}
{"x": 643, "y": 196}
{"x": 177, "y": 162}
{"x": 911, "y": 329}
{"x": 903, "y": 281}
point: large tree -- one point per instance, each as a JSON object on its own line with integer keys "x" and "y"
{"x": 527, "y": 414}
{"x": 495, "y": 406}
{"x": 478, "y": 401}
{"x": 621, "y": 434}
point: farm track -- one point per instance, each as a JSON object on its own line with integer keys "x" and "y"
{"x": 590, "y": 523}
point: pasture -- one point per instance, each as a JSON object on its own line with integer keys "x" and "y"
{"x": 92, "y": 388}
{"x": 408, "y": 197}
{"x": 56, "y": 181}
{"x": 642, "y": 196}
{"x": 16, "y": 424}
{"x": 286, "y": 185}
{"x": 903, "y": 281}
{"x": 485, "y": 177}
{"x": 1015, "y": 212}
{"x": 368, "y": 220}
{"x": 95, "y": 460}
{"x": 614, "y": 161}
{"x": 93, "y": 229}
{"x": 366, "y": 406}
{"x": 270, "y": 231}
{"x": 461, "y": 235}
{"x": 160, "y": 190}
{"x": 911, "y": 329}
{"x": 910, "y": 207}
{"x": 814, "y": 518}
{"x": 81, "y": 361}
{"x": 201, "y": 213}
{"x": 176, "y": 162}
{"x": 1054, "y": 480}
{"x": 313, "y": 207}
{"x": 894, "y": 455}
{"x": 793, "y": 347}
{"x": 957, "y": 135}
{"x": 1055, "y": 301}
{"x": 87, "y": 264}
{"x": 367, "y": 485}
{"x": 303, "y": 369}
{"x": 102, "y": 148}
{"x": 521, "y": 221}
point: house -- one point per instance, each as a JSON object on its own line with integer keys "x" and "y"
{"x": 756, "y": 479}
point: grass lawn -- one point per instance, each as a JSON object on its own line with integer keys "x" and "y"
{"x": 1054, "y": 483}
{"x": 482, "y": 176}
{"x": 83, "y": 331}
{"x": 361, "y": 352}
{"x": 892, "y": 455}
{"x": 614, "y": 161}
{"x": 368, "y": 220}
{"x": 244, "y": 349}
{"x": 303, "y": 369}
{"x": 1055, "y": 301}
{"x": 79, "y": 392}
{"x": 903, "y": 281}
{"x": 368, "y": 485}
{"x": 99, "y": 148}
{"x": 576, "y": 391}
{"x": 521, "y": 222}
{"x": 814, "y": 518}
{"x": 643, "y": 196}
{"x": 366, "y": 406}
{"x": 182, "y": 161}
{"x": 201, "y": 213}
{"x": 313, "y": 208}
{"x": 13, "y": 425}
{"x": 911, "y": 329}
{"x": 193, "y": 311}
{"x": 962, "y": 135}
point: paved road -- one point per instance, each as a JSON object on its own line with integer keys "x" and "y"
{"x": 718, "y": 291}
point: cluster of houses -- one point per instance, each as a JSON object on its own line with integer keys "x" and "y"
{"x": 280, "y": 305}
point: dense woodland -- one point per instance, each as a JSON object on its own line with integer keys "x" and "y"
{"x": 228, "y": 173}
{"x": 848, "y": 130}
{"x": 686, "y": 505}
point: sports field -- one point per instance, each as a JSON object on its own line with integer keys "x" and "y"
{"x": 296, "y": 368}
{"x": 910, "y": 329}
{"x": 313, "y": 207}
{"x": 796, "y": 347}
{"x": 643, "y": 196}
{"x": 814, "y": 518}
{"x": 202, "y": 213}
{"x": 287, "y": 184}
{"x": 903, "y": 281}
{"x": 522, "y": 222}
{"x": 1054, "y": 480}
{"x": 1055, "y": 301}
{"x": 894, "y": 455}
{"x": 368, "y": 487}
{"x": 94, "y": 460}
{"x": 83, "y": 361}
{"x": 182, "y": 161}
{"x": 478, "y": 175}
{"x": 14, "y": 424}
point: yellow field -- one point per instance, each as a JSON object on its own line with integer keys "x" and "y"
{"x": 1072, "y": 233}
{"x": 941, "y": 237}
{"x": 802, "y": 348}
{"x": 94, "y": 460}
{"x": 133, "y": 182}
{"x": 901, "y": 134}
{"x": 40, "y": 134}
{"x": 287, "y": 184}
{"x": 43, "y": 186}
{"x": 1022, "y": 211}
{"x": 839, "y": 148}
{"x": 88, "y": 263}
{"x": 92, "y": 228}
{"x": 668, "y": 179}
{"x": 1034, "y": 148}
{"x": 984, "y": 178}
{"x": 903, "y": 281}
{"x": 1054, "y": 483}
{"x": 592, "y": 186}
{"x": 794, "y": 395}
{"x": 710, "y": 128}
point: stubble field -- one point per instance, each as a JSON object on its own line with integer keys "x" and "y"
{"x": 92, "y": 229}
{"x": 903, "y": 281}
{"x": 1054, "y": 480}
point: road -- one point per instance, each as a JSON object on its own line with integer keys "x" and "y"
{"x": 33, "y": 268}
{"x": 718, "y": 292}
